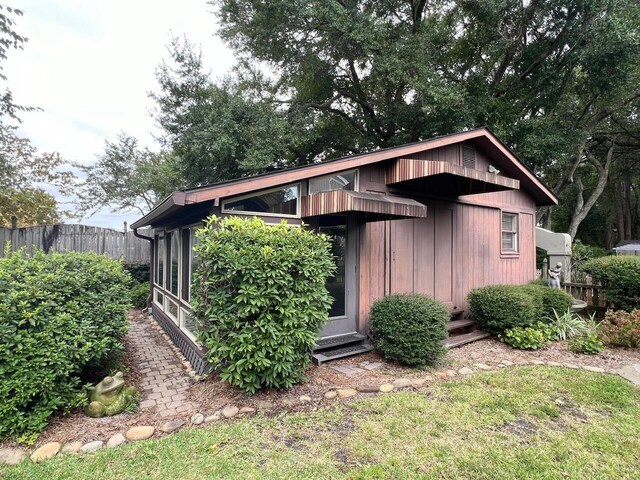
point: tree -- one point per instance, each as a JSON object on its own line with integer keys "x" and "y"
{"x": 127, "y": 178}
{"x": 550, "y": 77}
{"x": 24, "y": 173}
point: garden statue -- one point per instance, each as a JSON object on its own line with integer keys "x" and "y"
{"x": 554, "y": 275}
{"x": 110, "y": 397}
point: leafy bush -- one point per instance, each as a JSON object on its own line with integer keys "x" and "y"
{"x": 539, "y": 281}
{"x": 260, "y": 299}
{"x": 497, "y": 308}
{"x": 140, "y": 294}
{"x": 532, "y": 337}
{"x": 60, "y": 314}
{"x": 567, "y": 325}
{"x": 589, "y": 344}
{"x": 621, "y": 329}
{"x": 140, "y": 271}
{"x": 620, "y": 277}
{"x": 409, "y": 328}
{"x": 549, "y": 299}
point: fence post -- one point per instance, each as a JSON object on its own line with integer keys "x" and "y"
{"x": 14, "y": 222}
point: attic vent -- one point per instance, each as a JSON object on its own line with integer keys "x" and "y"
{"x": 468, "y": 156}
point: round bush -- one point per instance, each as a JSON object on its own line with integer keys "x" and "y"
{"x": 140, "y": 295}
{"x": 60, "y": 314}
{"x": 260, "y": 299}
{"x": 497, "y": 308}
{"x": 550, "y": 299}
{"x": 620, "y": 277}
{"x": 409, "y": 328}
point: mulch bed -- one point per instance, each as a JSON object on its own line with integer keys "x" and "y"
{"x": 211, "y": 394}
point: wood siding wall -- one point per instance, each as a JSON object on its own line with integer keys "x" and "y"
{"x": 78, "y": 238}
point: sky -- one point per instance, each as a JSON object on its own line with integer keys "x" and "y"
{"x": 89, "y": 65}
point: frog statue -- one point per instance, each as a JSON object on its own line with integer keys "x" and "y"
{"x": 110, "y": 397}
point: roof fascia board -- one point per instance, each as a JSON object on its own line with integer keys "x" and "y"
{"x": 176, "y": 198}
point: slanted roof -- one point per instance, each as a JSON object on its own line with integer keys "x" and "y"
{"x": 483, "y": 137}
{"x": 628, "y": 245}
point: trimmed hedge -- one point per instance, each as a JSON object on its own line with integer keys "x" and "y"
{"x": 409, "y": 328}
{"x": 260, "y": 299}
{"x": 497, "y": 308}
{"x": 620, "y": 277}
{"x": 140, "y": 295}
{"x": 140, "y": 271}
{"x": 60, "y": 314}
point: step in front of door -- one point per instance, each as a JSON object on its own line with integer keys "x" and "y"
{"x": 338, "y": 340}
{"x": 334, "y": 354}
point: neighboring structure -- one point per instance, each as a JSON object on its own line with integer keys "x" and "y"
{"x": 558, "y": 248}
{"x": 438, "y": 217}
{"x": 628, "y": 247}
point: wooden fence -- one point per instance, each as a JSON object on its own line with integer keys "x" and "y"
{"x": 594, "y": 295}
{"x": 78, "y": 238}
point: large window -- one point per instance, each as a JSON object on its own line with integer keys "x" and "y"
{"x": 342, "y": 181}
{"x": 189, "y": 261}
{"x": 160, "y": 262}
{"x": 174, "y": 252}
{"x": 280, "y": 202}
{"x": 510, "y": 232}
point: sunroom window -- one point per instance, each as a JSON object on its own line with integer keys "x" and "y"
{"x": 160, "y": 262}
{"x": 280, "y": 202}
{"x": 328, "y": 183}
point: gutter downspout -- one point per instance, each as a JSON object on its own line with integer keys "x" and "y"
{"x": 151, "y": 262}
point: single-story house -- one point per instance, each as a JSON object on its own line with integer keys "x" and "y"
{"x": 628, "y": 247}
{"x": 438, "y": 217}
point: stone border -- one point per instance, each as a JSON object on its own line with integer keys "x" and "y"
{"x": 12, "y": 456}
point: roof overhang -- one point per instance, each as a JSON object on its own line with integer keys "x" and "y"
{"x": 459, "y": 180}
{"x": 374, "y": 206}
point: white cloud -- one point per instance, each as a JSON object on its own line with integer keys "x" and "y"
{"x": 90, "y": 64}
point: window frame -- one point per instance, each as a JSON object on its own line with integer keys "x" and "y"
{"x": 257, "y": 193}
{"x": 516, "y": 234}
{"x": 356, "y": 181}
{"x": 156, "y": 274}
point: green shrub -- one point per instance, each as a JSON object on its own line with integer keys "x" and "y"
{"x": 532, "y": 337}
{"x": 620, "y": 277}
{"x": 589, "y": 344}
{"x": 60, "y": 314}
{"x": 140, "y": 271}
{"x": 539, "y": 281}
{"x": 621, "y": 329}
{"x": 550, "y": 299}
{"x": 409, "y": 328}
{"x": 140, "y": 294}
{"x": 497, "y": 308}
{"x": 260, "y": 299}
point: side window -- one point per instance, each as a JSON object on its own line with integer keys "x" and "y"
{"x": 160, "y": 262}
{"x": 280, "y": 202}
{"x": 341, "y": 181}
{"x": 510, "y": 232}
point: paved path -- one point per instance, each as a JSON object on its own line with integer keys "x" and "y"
{"x": 164, "y": 382}
{"x": 631, "y": 373}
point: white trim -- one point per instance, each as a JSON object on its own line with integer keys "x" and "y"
{"x": 257, "y": 193}
{"x": 175, "y": 319}
{"x": 515, "y": 233}
{"x": 186, "y": 331}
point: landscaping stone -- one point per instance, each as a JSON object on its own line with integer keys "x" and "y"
{"x": 48, "y": 450}
{"x": 92, "y": 446}
{"x": 11, "y": 456}
{"x": 71, "y": 447}
{"x": 368, "y": 388}
{"x": 347, "y": 392}
{"x": 449, "y": 373}
{"x": 139, "y": 433}
{"x": 213, "y": 418}
{"x": 571, "y": 365}
{"x": 418, "y": 382}
{"x": 348, "y": 370}
{"x": 331, "y": 394}
{"x": 554, "y": 364}
{"x": 116, "y": 440}
{"x": 230, "y": 411}
{"x": 373, "y": 366}
{"x": 304, "y": 398}
{"x": 289, "y": 402}
{"x": 593, "y": 369}
{"x": 401, "y": 383}
{"x": 266, "y": 406}
{"x": 507, "y": 363}
{"x": 386, "y": 387}
{"x": 482, "y": 366}
{"x": 172, "y": 426}
{"x": 197, "y": 419}
{"x": 465, "y": 371}
{"x": 538, "y": 362}
{"x": 631, "y": 373}
{"x": 246, "y": 410}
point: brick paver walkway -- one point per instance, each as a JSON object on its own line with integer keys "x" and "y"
{"x": 164, "y": 382}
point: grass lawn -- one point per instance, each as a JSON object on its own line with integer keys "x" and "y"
{"x": 530, "y": 422}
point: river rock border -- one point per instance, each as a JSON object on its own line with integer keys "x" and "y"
{"x": 12, "y": 456}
